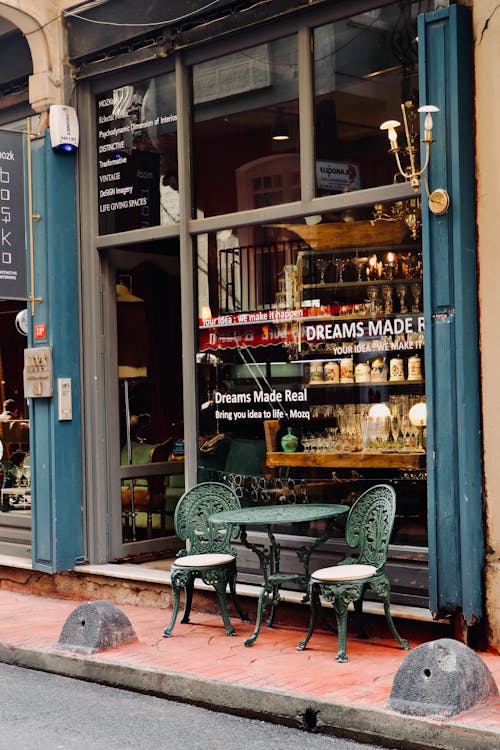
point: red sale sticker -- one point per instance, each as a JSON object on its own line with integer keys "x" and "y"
{"x": 40, "y": 331}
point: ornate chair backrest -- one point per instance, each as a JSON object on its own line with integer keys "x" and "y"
{"x": 369, "y": 524}
{"x": 193, "y": 511}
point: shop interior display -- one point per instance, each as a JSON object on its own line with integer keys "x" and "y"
{"x": 343, "y": 335}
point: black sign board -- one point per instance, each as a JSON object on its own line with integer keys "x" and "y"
{"x": 12, "y": 219}
{"x": 128, "y": 166}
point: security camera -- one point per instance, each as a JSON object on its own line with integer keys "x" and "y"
{"x": 64, "y": 129}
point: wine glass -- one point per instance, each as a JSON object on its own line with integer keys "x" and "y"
{"x": 322, "y": 264}
{"x": 372, "y": 297}
{"x": 416, "y": 291}
{"x": 387, "y": 297}
{"x": 360, "y": 264}
{"x": 340, "y": 264}
{"x": 401, "y": 292}
{"x": 396, "y": 429}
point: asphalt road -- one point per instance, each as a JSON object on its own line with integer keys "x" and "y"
{"x": 40, "y": 711}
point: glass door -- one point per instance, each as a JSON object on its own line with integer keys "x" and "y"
{"x": 146, "y": 371}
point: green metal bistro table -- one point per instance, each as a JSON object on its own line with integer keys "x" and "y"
{"x": 269, "y": 557}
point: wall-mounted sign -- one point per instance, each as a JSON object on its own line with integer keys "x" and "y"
{"x": 136, "y": 154}
{"x": 38, "y": 372}
{"x": 337, "y": 176}
{"x": 12, "y": 232}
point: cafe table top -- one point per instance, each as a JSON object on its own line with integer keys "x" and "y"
{"x": 266, "y": 515}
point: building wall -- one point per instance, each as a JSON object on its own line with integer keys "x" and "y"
{"x": 486, "y": 21}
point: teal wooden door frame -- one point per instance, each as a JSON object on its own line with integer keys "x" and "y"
{"x": 56, "y": 454}
{"x": 456, "y": 545}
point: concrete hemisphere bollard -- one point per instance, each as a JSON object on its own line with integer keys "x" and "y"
{"x": 441, "y": 678}
{"x": 95, "y": 626}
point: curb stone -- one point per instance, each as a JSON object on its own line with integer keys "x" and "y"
{"x": 380, "y": 726}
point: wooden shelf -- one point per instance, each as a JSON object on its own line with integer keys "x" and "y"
{"x": 353, "y": 234}
{"x": 361, "y": 284}
{"x": 369, "y": 383}
{"x": 359, "y": 460}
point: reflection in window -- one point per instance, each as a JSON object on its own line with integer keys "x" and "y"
{"x": 246, "y": 129}
{"x": 137, "y": 155}
{"x": 150, "y": 395}
{"x": 365, "y": 66}
{"x": 317, "y": 333}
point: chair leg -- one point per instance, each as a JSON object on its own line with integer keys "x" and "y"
{"x": 189, "y": 588}
{"x": 387, "y": 609}
{"x": 220, "y": 590}
{"x": 315, "y": 605}
{"x": 341, "y": 614}
{"x": 244, "y": 616}
{"x": 358, "y": 611}
{"x": 175, "y": 610}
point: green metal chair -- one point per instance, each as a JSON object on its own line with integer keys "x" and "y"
{"x": 369, "y": 527}
{"x": 210, "y": 555}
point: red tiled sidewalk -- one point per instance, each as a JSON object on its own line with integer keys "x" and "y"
{"x": 202, "y": 650}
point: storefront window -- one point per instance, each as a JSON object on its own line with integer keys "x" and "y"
{"x": 310, "y": 361}
{"x": 364, "y": 67}
{"x": 137, "y": 155}
{"x": 246, "y": 129}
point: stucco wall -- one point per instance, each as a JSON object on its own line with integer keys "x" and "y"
{"x": 486, "y": 22}
{"x": 41, "y": 22}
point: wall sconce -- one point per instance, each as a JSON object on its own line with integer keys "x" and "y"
{"x": 280, "y": 128}
{"x": 439, "y": 200}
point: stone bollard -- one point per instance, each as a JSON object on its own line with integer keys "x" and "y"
{"x": 441, "y": 678}
{"x": 95, "y": 626}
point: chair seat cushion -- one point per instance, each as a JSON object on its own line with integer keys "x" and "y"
{"x": 344, "y": 573}
{"x": 203, "y": 561}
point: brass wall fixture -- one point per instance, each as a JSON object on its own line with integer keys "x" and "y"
{"x": 32, "y": 217}
{"x": 439, "y": 200}
{"x": 409, "y": 211}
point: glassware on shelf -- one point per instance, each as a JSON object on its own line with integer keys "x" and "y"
{"x": 401, "y": 293}
{"x": 372, "y": 292}
{"x": 360, "y": 266}
{"x": 387, "y": 297}
{"x": 322, "y": 264}
{"x": 416, "y": 291}
{"x": 307, "y": 442}
{"x": 340, "y": 265}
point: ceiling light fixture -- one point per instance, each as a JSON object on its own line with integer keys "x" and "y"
{"x": 280, "y": 128}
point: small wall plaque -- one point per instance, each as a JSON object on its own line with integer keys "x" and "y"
{"x": 38, "y": 372}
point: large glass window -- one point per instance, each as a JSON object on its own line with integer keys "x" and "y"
{"x": 310, "y": 360}
{"x": 365, "y": 66}
{"x": 246, "y": 132}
